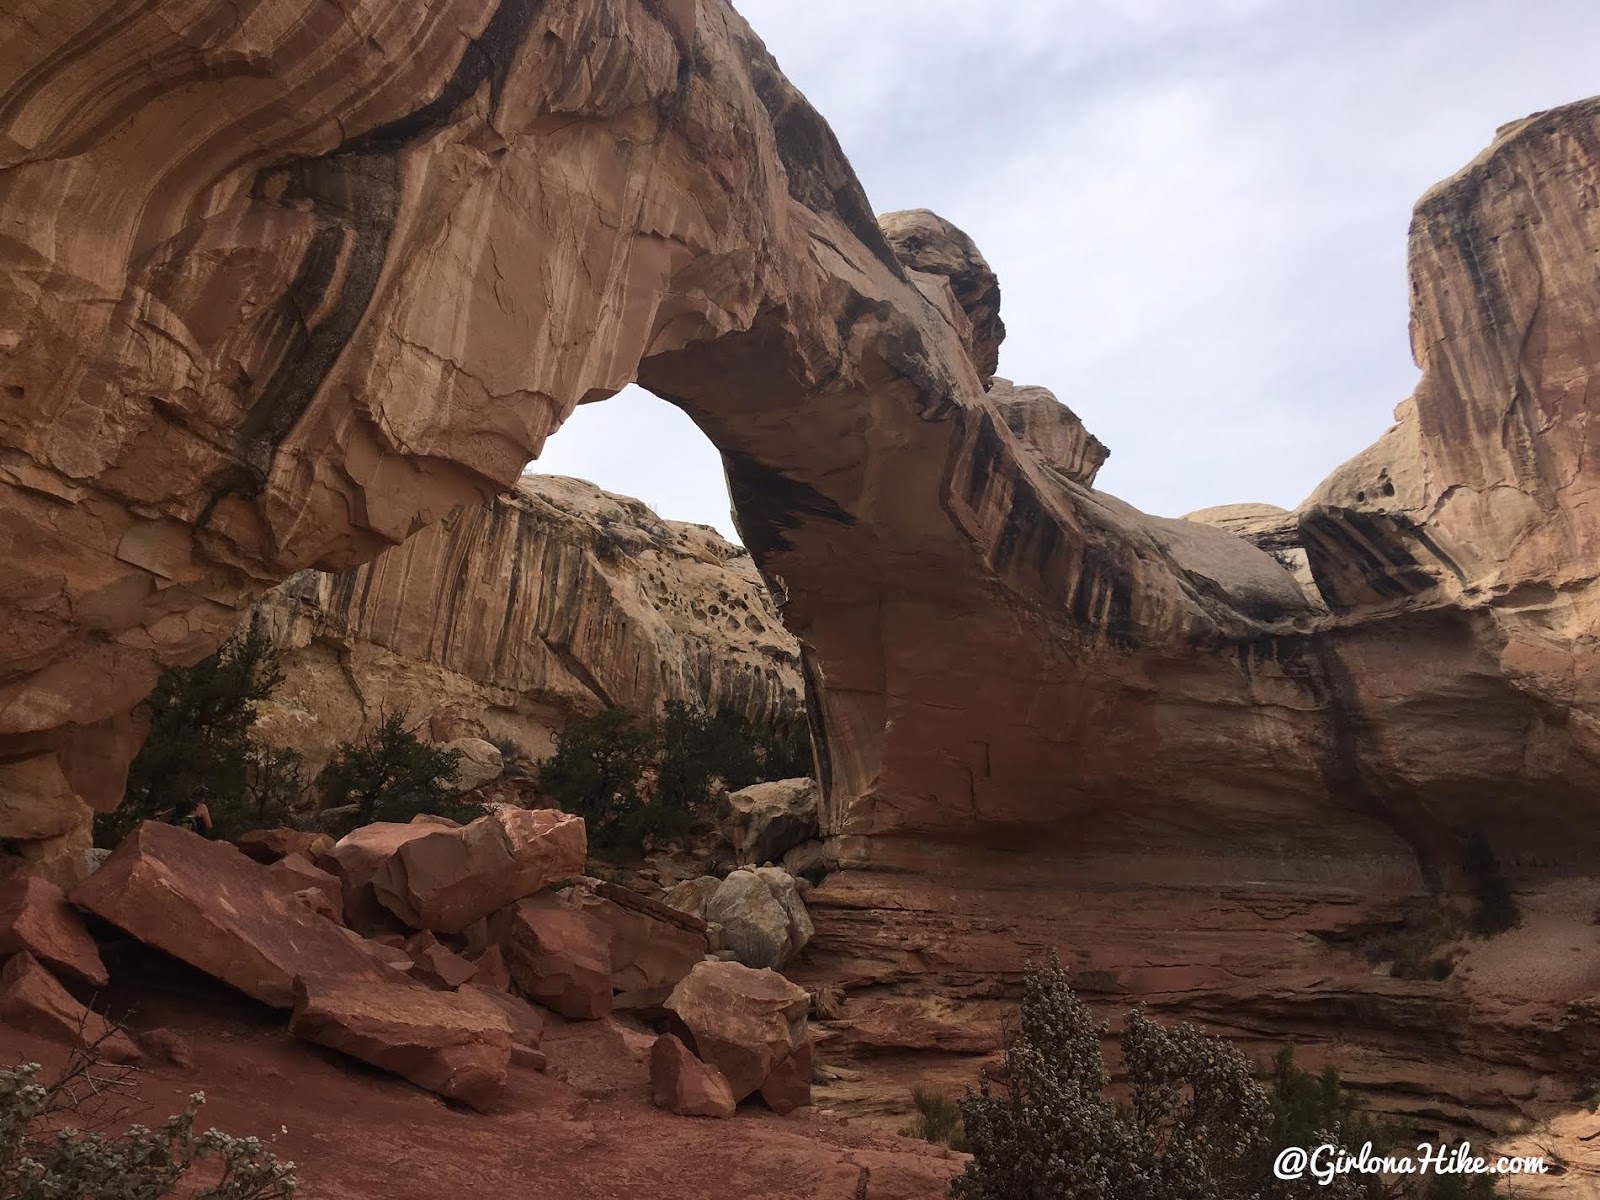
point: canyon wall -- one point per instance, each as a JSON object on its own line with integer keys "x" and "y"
{"x": 512, "y": 619}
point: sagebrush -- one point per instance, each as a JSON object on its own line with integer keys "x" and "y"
{"x": 54, "y": 1144}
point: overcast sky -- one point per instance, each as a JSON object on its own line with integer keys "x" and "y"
{"x": 1197, "y": 210}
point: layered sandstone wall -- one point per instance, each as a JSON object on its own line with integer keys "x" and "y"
{"x": 514, "y": 618}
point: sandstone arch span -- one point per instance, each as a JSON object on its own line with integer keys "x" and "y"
{"x": 285, "y": 282}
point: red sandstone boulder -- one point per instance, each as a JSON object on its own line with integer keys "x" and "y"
{"x": 788, "y": 1087}
{"x": 450, "y": 878}
{"x": 267, "y": 846}
{"x": 33, "y": 1000}
{"x": 491, "y": 971}
{"x": 742, "y": 1021}
{"x": 437, "y": 963}
{"x": 360, "y": 855}
{"x": 456, "y": 1045}
{"x": 207, "y": 904}
{"x": 650, "y": 946}
{"x": 527, "y": 1026}
{"x": 682, "y": 1084}
{"x": 297, "y": 874}
{"x": 35, "y": 917}
{"x": 558, "y": 957}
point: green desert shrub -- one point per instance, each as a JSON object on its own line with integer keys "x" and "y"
{"x": 393, "y": 775}
{"x": 50, "y": 1148}
{"x": 1194, "y": 1122}
{"x": 201, "y": 744}
{"x": 600, "y": 768}
{"x": 596, "y": 773}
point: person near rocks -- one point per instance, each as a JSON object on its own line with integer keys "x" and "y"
{"x": 192, "y": 814}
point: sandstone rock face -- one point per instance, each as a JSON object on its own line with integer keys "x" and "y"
{"x": 745, "y": 1023}
{"x": 559, "y": 957}
{"x": 928, "y": 245}
{"x": 36, "y": 919}
{"x": 478, "y": 763}
{"x": 512, "y": 619}
{"x": 31, "y": 999}
{"x": 682, "y": 1084}
{"x": 449, "y": 878}
{"x": 1049, "y": 431}
{"x": 458, "y": 1046}
{"x": 766, "y": 820}
{"x": 763, "y": 919}
{"x": 207, "y": 904}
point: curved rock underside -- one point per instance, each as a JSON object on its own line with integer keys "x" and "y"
{"x": 513, "y": 618}
{"x": 283, "y": 284}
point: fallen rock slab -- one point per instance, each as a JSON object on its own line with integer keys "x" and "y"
{"x": 455, "y": 1045}
{"x": 682, "y": 1084}
{"x": 449, "y": 878}
{"x": 206, "y": 903}
{"x": 744, "y": 1022}
{"x": 437, "y": 963}
{"x": 650, "y": 946}
{"x": 559, "y": 957}
{"x": 360, "y": 855}
{"x": 788, "y": 1086}
{"x": 35, "y": 917}
{"x": 297, "y": 874}
{"x": 33, "y": 1000}
{"x": 490, "y": 970}
{"x": 527, "y": 1026}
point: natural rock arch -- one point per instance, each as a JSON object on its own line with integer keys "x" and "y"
{"x": 320, "y": 274}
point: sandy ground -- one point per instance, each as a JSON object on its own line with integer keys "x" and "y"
{"x": 585, "y": 1128}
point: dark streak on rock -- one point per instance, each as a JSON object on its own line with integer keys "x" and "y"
{"x": 354, "y": 189}
{"x": 770, "y": 503}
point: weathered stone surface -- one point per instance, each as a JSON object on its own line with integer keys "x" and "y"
{"x": 766, "y": 820}
{"x": 527, "y": 1026}
{"x": 457, "y": 1045}
{"x": 788, "y": 1087}
{"x": 691, "y": 896}
{"x": 478, "y": 763}
{"x": 359, "y": 856}
{"x": 295, "y": 873}
{"x": 1049, "y": 430}
{"x": 743, "y": 1022}
{"x": 35, "y": 918}
{"x": 928, "y": 245}
{"x": 682, "y": 1084}
{"x": 33, "y": 1000}
{"x": 809, "y": 861}
{"x": 209, "y": 905}
{"x": 436, "y": 963}
{"x": 622, "y": 609}
{"x": 490, "y": 970}
{"x": 449, "y": 878}
{"x": 648, "y": 950}
{"x": 762, "y": 918}
{"x": 269, "y": 845}
{"x": 558, "y": 957}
